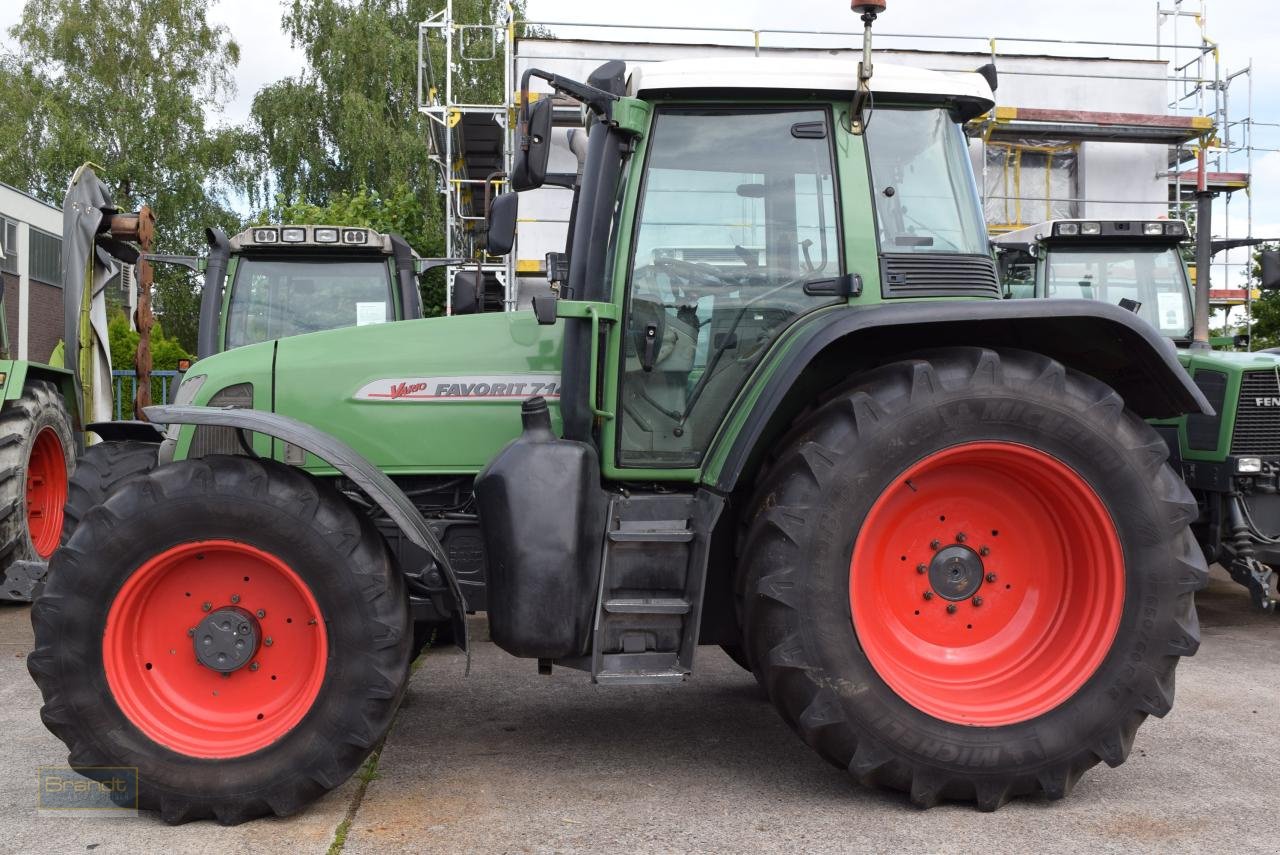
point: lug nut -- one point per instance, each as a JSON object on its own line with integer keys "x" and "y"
{"x": 922, "y": 568}
{"x": 951, "y": 609}
{"x": 928, "y": 595}
{"x": 191, "y": 632}
{"x": 984, "y": 551}
{"x": 960, "y": 538}
{"x": 262, "y": 613}
{"x": 207, "y": 606}
{"x": 935, "y": 545}
{"x": 977, "y": 601}
{"x": 267, "y": 641}
{"x": 235, "y": 598}
{"x": 254, "y": 667}
{"x": 991, "y": 577}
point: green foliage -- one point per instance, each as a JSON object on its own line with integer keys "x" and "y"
{"x": 1265, "y": 331}
{"x": 165, "y": 351}
{"x": 125, "y": 83}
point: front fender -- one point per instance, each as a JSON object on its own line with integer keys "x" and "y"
{"x": 1099, "y": 339}
{"x": 370, "y": 479}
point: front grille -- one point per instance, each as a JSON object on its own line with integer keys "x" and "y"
{"x": 1257, "y": 428}
{"x": 938, "y": 274}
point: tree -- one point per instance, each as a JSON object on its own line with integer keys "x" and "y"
{"x": 125, "y": 83}
{"x": 1265, "y": 330}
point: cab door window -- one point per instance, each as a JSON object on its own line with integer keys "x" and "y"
{"x": 737, "y": 215}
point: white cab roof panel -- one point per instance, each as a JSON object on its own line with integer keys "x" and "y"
{"x": 813, "y": 75}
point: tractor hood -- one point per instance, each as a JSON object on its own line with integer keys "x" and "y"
{"x": 437, "y": 395}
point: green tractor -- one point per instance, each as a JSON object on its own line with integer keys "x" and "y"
{"x": 1231, "y": 458}
{"x": 266, "y": 283}
{"x": 934, "y": 524}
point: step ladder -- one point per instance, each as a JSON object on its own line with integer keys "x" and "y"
{"x": 652, "y": 577}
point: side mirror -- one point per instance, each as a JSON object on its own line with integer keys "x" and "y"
{"x": 530, "y": 169}
{"x": 1270, "y": 262}
{"x": 502, "y": 223}
{"x": 464, "y": 297}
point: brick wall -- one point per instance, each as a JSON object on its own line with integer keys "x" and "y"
{"x": 45, "y": 313}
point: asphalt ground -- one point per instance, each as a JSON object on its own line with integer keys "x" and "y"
{"x": 506, "y": 760}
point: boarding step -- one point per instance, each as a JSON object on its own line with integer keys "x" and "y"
{"x": 651, "y": 584}
{"x": 652, "y": 531}
{"x": 640, "y": 669}
{"x": 647, "y": 606}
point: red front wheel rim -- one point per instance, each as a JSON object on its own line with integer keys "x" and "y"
{"x": 150, "y": 660}
{"x": 987, "y": 583}
{"x": 46, "y": 491}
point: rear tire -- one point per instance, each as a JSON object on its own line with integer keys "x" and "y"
{"x": 101, "y": 469}
{"x": 309, "y": 573}
{"x": 37, "y": 454}
{"x": 829, "y": 602}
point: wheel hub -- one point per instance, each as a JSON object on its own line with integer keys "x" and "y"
{"x": 956, "y": 572}
{"x": 227, "y": 639}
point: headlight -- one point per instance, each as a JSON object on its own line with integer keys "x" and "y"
{"x": 326, "y": 235}
{"x": 1175, "y": 227}
{"x": 1153, "y": 228}
{"x": 1067, "y": 228}
{"x": 1248, "y": 465}
{"x": 353, "y": 236}
{"x": 265, "y": 236}
{"x": 1090, "y": 228}
{"x": 293, "y": 235}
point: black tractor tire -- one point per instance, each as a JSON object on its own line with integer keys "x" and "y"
{"x": 799, "y": 574}
{"x": 102, "y": 468}
{"x": 36, "y": 423}
{"x": 332, "y": 554}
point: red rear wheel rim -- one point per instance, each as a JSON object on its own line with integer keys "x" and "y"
{"x": 46, "y": 491}
{"x": 1043, "y": 611}
{"x": 149, "y": 656}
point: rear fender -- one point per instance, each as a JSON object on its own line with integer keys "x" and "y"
{"x": 1104, "y": 341}
{"x": 371, "y": 480}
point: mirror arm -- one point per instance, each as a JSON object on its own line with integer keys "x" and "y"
{"x": 596, "y": 100}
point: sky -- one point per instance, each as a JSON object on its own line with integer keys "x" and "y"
{"x": 1236, "y": 25}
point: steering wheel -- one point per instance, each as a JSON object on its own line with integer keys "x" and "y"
{"x": 695, "y": 270}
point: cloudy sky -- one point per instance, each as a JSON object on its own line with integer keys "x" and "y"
{"x": 1237, "y": 25}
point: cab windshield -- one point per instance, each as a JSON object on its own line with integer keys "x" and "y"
{"x": 276, "y": 298}
{"x": 1152, "y": 276}
{"x": 926, "y": 197}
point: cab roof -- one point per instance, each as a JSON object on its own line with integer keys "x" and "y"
{"x": 1109, "y": 231}
{"x": 810, "y": 75}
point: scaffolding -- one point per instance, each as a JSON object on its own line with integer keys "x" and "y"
{"x": 1203, "y": 106}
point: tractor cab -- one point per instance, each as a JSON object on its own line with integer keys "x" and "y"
{"x": 275, "y": 281}
{"x": 1136, "y": 264}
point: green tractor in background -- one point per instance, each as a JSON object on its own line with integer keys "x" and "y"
{"x": 935, "y": 524}
{"x": 1230, "y": 458}
{"x": 266, "y": 283}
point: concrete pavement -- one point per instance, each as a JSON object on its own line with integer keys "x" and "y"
{"x": 508, "y": 761}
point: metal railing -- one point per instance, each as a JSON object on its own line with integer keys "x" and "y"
{"x": 160, "y": 381}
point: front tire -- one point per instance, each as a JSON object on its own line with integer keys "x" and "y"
{"x": 303, "y": 620}
{"x": 102, "y": 468}
{"x": 970, "y": 576}
{"x": 37, "y": 454}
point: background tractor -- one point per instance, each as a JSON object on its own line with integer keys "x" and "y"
{"x": 1230, "y": 458}
{"x": 266, "y": 283}
{"x": 932, "y": 522}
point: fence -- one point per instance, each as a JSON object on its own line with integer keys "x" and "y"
{"x": 160, "y": 381}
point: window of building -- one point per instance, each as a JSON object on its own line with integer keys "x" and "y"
{"x": 1030, "y": 181}
{"x": 46, "y": 257}
{"x": 9, "y": 240}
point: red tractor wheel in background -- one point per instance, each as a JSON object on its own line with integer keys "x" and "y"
{"x": 231, "y": 627}
{"x": 37, "y": 455}
{"x": 970, "y": 576}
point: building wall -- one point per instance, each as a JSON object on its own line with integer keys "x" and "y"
{"x": 33, "y": 308}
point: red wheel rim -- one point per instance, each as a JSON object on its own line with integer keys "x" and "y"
{"x": 1049, "y": 594}
{"x": 46, "y": 491}
{"x": 149, "y": 655}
